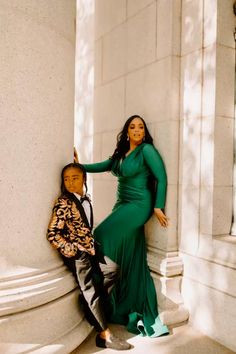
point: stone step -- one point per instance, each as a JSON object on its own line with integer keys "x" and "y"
{"x": 182, "y": 340}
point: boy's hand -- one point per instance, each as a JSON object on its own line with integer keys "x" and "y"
{"x": 92, "y": 252}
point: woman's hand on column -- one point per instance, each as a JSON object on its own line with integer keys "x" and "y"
{"x": 161, "y": 217}
{"x": 76, "y": 158}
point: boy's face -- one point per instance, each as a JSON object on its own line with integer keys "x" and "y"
{"x": 73, "y": 180}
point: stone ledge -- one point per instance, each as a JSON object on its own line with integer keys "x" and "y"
{"x": 57, "y": 327}
{"x": 26, "y": 292}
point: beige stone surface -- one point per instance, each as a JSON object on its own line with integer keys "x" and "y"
{"x": 210, "y": 274}
{"x": 206, "y": 209}
{"x": 109, "y": 14}
{"x": 109, "y": 116}
{"x": 167, "y": 135}
{"x": 188, "y": 225}
{"x": 222, "y": 213}
{"x": 97, "y": 148}
{"x": 192, "y": 26}
{"x": 191, "y": 151}
{"x": 224, "y": 150}
{"x": 218, "y": 249}
{"x": 114, "y": 53}
{"x": 208, "y": 150}
{"x": 141, "y": 38}
{"x": 85, "y": 27}
{"x": 209, "y": 81}
{"x": 210, "y": 313}
{"x": 84, "y": 76}
{"x": 182, "y": 340}
{"x": 168, "y": 28}
{"x": 225, "y": 81}
{"x": 52, "y": 323}
{"x": 210, "y": 22}
{"x": 148, "y": 91}
{"x": 33, "y": 83}
{"x": 226, "y": 23}
{"x": 37, "y": 85}
{"x": 44, "y": 14}
{"x": 104, "y": 192}
{"x": 191, "y": 85}
{"x": 134, "y": 6}
{"x": 98, "y": 62}
{"x": 109, "y": 140}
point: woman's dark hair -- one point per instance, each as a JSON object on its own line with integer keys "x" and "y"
{"x": 122, "y": 145}
{"x": 80, "y": 168}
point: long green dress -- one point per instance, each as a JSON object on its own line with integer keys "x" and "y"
{"x": 121, "y": 236}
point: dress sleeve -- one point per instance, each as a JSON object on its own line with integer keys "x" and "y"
{"x": 99, "y": 166}
{"x": 156, "y": 165}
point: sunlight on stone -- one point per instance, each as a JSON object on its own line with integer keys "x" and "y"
{"x": 233, "y": 229}
{"x": 84, "y": 83}
{"x": 7, "y": 269}
{"x": 12, "y": 348}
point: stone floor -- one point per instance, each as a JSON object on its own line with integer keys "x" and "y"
{"x": 182, "y": 340}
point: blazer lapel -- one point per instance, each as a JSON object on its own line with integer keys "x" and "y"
{"x": 91, "y": 215}
{"x": 81, "y": 209}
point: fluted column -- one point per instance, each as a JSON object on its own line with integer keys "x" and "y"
{"x": 39, "y": 310}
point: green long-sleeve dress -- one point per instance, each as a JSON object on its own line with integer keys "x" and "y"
{"x": 121, "y": 236}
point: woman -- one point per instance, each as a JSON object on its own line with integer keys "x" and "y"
{"x": 137, "y": 164}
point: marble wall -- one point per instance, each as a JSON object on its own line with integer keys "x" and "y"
{"x": 206, "y": 166}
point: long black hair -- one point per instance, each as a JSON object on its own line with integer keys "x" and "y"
{"x": 122, "y": 145}
{"x": 80, "y": 168}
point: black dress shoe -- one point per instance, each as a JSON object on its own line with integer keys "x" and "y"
{"x": 112, "y": 343}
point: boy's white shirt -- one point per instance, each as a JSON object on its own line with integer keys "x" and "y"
{"x": 86, "y": 207}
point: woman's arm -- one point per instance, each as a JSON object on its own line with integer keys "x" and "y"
{"x": 94, "y": 167}
{"x": 155, "y": 163}
{"x": 99, "y": 166}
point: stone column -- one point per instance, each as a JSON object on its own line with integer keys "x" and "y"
{"x": 38, "y": 297}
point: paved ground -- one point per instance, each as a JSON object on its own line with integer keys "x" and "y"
{"x": 182, "y": 340}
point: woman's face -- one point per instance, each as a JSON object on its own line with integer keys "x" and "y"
{"x": 73, "y": 180}
{"x": 136, "y": 131}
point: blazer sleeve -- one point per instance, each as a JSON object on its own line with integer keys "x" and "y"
{"x": 66, "y": 230}
{"x": 156, "y": 165}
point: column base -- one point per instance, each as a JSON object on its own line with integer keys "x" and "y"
{"x": 166, "y": 269}
{"x": 40, "y": 313}
{"x": 58, "y": 327}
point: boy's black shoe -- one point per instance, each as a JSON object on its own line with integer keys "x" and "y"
{"x": 112, "y": 343}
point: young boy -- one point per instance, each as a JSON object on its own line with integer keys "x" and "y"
{"x": 70, "y": 232}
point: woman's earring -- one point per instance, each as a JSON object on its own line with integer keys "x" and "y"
{"x": 127, "y": 137}
{"x": 144, "y": 138}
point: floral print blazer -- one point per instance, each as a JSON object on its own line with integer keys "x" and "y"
{"x": 67, "y": 231}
